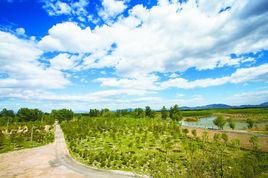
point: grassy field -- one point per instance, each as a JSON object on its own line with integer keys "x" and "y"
{"x": 158, "y": 148}
{"x": 25, "y": 135}
{"x": 256, "y": 114}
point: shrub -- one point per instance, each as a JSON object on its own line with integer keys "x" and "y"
{"x": 220, "y": 122}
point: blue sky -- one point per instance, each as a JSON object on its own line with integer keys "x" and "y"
{"x": 83, "y": 54}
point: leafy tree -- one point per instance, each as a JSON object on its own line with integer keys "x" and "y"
{"x": 139, "y": 113}
{"x": 217, "y": 137}
{"x": 185, "y": 131}
{"x": 148, "y": 112}
{"x": 26, "y": 114}
{"x": 106, "y": 112}
{"x": 232, "y": 124}
{"x": 254, "y": 142}
{"x": 62, "y": 114}
{"x": 164, "y": 113}
{"x": 175, "y": 113}
{"x": 94, "y": 113}
{"x": 194, "y": 133}
{"x": 220, "y": 122}
{"x": 7, "y": 113}
{"x": 250, "y": 123}
{"x": 224, "y": 136}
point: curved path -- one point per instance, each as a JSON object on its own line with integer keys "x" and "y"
{"x": 51, "y": 160}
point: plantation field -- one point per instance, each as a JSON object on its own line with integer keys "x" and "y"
{"x": 256, "y": 114}
{"x": 25, "y": 135}
{"x": 159, "y": 148}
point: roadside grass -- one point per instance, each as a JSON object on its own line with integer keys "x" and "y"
{"x": 18, "y": 136}
{"x": 157, "y": 148}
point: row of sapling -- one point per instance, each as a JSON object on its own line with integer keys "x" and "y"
{"x": 220, "y": 122}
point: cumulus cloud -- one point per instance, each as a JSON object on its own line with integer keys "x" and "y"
{"x": 19, "y": 61}
{"x": 111, "y": 8}
{"x": 20, "y": 31}
{"x": 168, "y": 37}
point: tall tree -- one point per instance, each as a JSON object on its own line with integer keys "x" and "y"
{"x": 175, "y": 113}
{"x": 250, "y": 123}
{"x": 164, "y": 113}
{"x": 148, "y": 112}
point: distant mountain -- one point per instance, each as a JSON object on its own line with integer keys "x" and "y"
{"x": 223, "y": 106}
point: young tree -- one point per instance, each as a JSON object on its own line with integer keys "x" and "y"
{"x": 139, "y": 113}
{"x": 254, "y": 142}
{"x": 164, "y": 113}
{"x": 220, "y": 122}
{"x": 194, "y": 133}
{"x": 94, "y": 113}
{"x": 175, "y": 113}
{"x": 250, "y": 123}
{"x": 232, "y": 124}
{"x": 224, "y": 136}
{"x": 148, "y": 112}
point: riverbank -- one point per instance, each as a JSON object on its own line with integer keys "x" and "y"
{"x": 243, "y": 136}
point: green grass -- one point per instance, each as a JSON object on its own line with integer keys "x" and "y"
{"x": 18, "y": 136}
{"x": 157, "y": 148}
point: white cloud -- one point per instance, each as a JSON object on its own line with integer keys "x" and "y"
{"x": 69, "y": 8}
{"x": 169, "y": 37}
{"x": 139, "y": 82}
{"x": 111, "y": 8}
{"x": 20, "y": 31}
{"x": 254, "y": 97}
{"x": 239, "y": 76}
{"x": 63, "y": 61}
{"x": 19, "y": 61}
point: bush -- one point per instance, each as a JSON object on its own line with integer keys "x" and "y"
{"x": 220, "y": 122}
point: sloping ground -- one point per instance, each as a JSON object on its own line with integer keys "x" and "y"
{"x": 52, "y": 160}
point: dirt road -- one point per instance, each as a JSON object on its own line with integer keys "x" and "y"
{"x": 52, "y": 160}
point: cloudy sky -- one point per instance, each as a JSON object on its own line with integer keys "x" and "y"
{"x": 83, "y": 54}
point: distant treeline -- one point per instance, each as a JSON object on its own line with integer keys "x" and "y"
{"x": 31, "y": 115}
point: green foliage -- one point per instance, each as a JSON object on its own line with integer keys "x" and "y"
{"x": 254, "y": 142}
{"x": 232, "y": 124}
{"x": 62, "y": 114}
{"x": 217, "y": 137}
{"x": 18, "y": 135}
{"x": 185, "y": 131}
{"x": 26, "y": 114}
{"x": 94, "y": 113}
{"x": 155, "y": 147}
{"x": 7, "y": 113}
{"x": 164, "y": 113}
{"x": 250, "y": 123}
{"x": 175, "y": 113}
{"x": 220, "y": 122}
{"x": 194, "y": 133}
{"x": 149, "y": 112}
{"x": 139, "y": 113}
{"x": 224, "y": 136}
